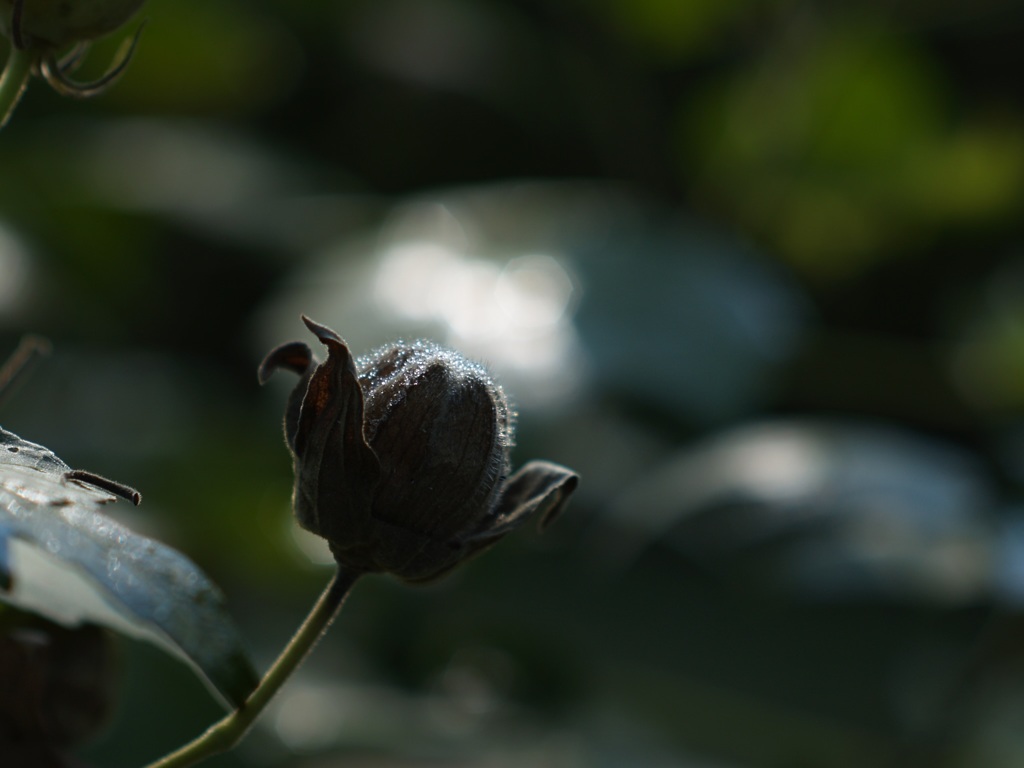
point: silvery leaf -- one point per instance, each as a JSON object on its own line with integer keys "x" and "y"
{"x": 62, "y": 558}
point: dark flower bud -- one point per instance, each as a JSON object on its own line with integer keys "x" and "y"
{"x": 440, "y": 429}
{"x": 402, "y": 457}
{"x": 57, "y": 23}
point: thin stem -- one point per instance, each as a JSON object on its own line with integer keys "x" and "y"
{"x": 13, "y": 81}
{"x": 225, "y": 734}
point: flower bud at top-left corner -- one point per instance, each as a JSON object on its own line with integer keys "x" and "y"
{"x": 53, "y": 24}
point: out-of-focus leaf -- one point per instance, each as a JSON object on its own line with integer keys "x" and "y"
{"x": 700, "y": 327}
{"x": 61, "y": 558}
{"x": 988, "y": 358}
{"x": 821, "y": 508}
{"x": 839, "y": 151}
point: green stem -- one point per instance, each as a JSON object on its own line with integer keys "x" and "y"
{"x": 13, "y": 81}
{"x": 225, "y": 734}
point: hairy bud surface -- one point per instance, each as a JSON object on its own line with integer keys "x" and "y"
{"x": 402, "y": 457}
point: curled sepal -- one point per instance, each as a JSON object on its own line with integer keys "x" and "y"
{"x": 294, "y": 356}
{"x": 336, "y": 472}
{"x": 538, "y": 487}
{"x": 329, "y": 436}
{"x": 56, "y": 71}
{"x": 298, "y": 358}
{"x": 71, "y": 60}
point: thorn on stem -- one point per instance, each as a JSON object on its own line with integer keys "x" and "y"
{"x": 106, "y": 484}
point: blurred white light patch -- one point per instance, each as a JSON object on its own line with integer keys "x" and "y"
{"x": 535, "y": 290}
{"x": 412, "y": 275}
{"x": 515, "y": 317}
{"x": 313, "y": 715}
{"x": 182, "y": 168}
{"x": 452, "y": 44}
{"x": 779, "y": 467}
{"x": 15, "y": 271}
{"x": 308, "y": 717}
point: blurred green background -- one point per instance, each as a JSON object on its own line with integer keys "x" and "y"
{"x": 754, "y": 268}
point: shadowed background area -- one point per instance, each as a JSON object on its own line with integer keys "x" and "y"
{"x": 753, "y": 268}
